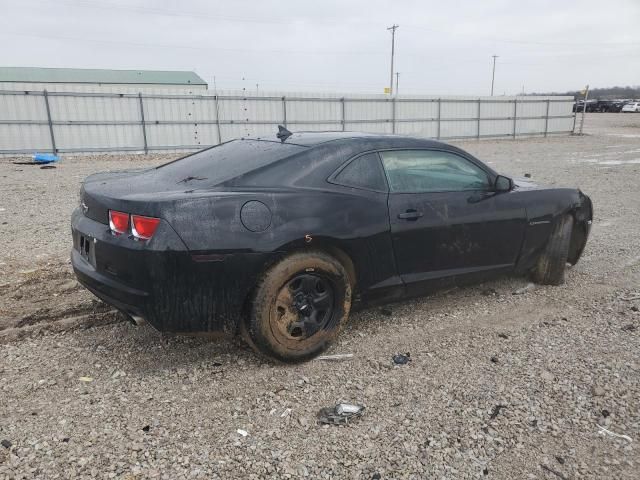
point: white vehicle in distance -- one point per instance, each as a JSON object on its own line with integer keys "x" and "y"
{"x": 631, "y": 107}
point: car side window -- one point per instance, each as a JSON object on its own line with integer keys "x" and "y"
{"x": 421, "y": 171}
{"x": 363, "y": 172}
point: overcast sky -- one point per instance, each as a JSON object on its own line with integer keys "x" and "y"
{"x": 442, "y": 47}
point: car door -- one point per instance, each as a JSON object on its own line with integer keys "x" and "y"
{"x": 447, "y": 223}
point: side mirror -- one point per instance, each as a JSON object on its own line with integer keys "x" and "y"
{"x": 503, "y": 184}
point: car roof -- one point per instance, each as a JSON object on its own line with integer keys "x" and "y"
{"x": 312, "y": 139}
{"x": 321, "y": 153}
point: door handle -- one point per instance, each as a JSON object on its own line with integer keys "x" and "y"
{"x": 410, "y": 214}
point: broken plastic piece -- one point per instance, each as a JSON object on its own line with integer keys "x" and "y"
{"x": 45, "y": 158}
{"x": 630, "y": 298}
{"x": 86, "y": 379}
{"x": 525, "y": 289}
{"x": 341, "y": 414}
{"x": 338, "y": 357}
{"x": 496, "y": 411}
{"x": 604, "y": 431}
{"x": 401, "y": 359}
{"x": 244, "y": 433}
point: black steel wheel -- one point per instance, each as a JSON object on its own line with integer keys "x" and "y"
{"x": 299, "y": 307}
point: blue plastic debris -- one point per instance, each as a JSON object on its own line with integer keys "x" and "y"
{"x": 45, "y": 158}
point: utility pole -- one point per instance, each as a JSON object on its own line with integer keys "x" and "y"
{"x": 493, "y": 75}
{"x": 397, "y": 81}
{"x": 393, "y": 48}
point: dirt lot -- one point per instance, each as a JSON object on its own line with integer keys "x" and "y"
{"x": 500, "y": 385}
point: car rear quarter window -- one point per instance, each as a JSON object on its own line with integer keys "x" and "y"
{"x": 227, "y": 161}
{"x": 421, "y": 171}
{"x": 364, "y": 172}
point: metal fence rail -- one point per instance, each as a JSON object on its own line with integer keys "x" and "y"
{"x": 110, "y": 122}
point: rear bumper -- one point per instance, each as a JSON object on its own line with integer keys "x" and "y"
{"x": 124, "y": 298}
{"x": 161, "y": 281}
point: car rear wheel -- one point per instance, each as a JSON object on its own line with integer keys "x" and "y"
{"x": 552, "y": 263}
{"x": 299, "y": 307}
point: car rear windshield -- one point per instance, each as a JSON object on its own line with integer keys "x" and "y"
{"x": 227, "y": 161}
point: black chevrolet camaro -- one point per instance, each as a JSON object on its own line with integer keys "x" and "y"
{"x": 278, "y": 239}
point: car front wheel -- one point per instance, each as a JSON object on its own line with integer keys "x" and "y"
{"x": 552, "y": 263}
{"x": 299, "y": 307}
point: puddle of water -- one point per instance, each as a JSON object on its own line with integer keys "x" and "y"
{"x": 624, "y": 135}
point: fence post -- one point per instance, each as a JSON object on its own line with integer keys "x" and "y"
{"x": 546, "y": 119}
{"x": 515, "y": 116}
{"x": 479, "y": 116}
{"x": 343, "y": 114}
{"x": 393, "y": 115}
{"x": 439, "y": 116}
{"x": 143, "y": 124}
{"x": 284, "y": 112}
{"x": 218, "y": 119}
{"x": 54, "y": 149}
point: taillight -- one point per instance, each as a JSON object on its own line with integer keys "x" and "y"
{"x": 118, "y": 222}
{"x": 143, "y": 228}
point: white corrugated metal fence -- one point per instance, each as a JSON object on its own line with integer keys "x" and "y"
{"x": 108, "y": 121}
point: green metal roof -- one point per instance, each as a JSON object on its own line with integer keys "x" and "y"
{"x": 89, "y": 75}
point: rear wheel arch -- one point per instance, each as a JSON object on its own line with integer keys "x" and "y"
{"x": 326, "y": 245}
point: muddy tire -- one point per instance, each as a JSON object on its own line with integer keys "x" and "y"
{"x": 551, "y": 265}
{"x": 299, "y": 307}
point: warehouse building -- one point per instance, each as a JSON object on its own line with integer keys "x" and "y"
{"x": 98, "y": 80}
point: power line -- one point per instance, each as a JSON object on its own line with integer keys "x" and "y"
{"x": 187, "y": 47}
{"x": 168, "y": 13}
{"x": 522, "y": 42}
{"x": 332, "y": 20}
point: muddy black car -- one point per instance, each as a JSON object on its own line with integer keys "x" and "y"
{"x": 277, "y": 240}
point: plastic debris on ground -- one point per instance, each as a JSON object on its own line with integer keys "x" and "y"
{"x": 339, "y": 357}
{"x": 496, "y": 411}
{"x": 244, "y": 433}
{"x": 45, "y": 157}
{"x": 402, "y": 358}
{"x": 604, "y": 431}
{"x": 341, "y": 414}
{"x": 525, "y": 289}
{"x": 44, "y": 160}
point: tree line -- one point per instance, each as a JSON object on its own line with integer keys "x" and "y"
{"x": 602, "y": 93}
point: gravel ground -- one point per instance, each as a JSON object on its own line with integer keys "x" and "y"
{"x": 500, "y": 385}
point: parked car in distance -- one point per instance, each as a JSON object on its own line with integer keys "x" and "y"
{"x": 631, "y": 107}
{"x": 277, "y": 240}
{"x": 592, "y": 106}
{"x": 609, "y": 106}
